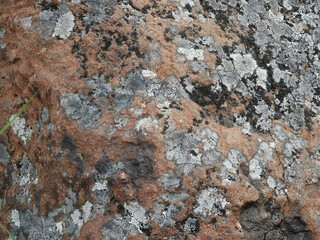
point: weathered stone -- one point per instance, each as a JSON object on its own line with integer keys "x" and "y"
{"x": 160, "y": 119}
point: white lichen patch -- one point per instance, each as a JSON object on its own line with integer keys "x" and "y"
{"x": 181, "y": 15}
{"x": 210, "y": 202}
{"x": 183, "y": 3}
{"x": 26, "y": 23}
{"x": 262, "y": 78}
{"x": 100, "y": 186}
{"x": 64, "y": 26}
{"x": 260, "y": 160}
{"x": 59, "y": 227}
{"x": 244, "y": 64}
{"x": 230, "y": 165}
{"x": 147, "y": 124}
{"x": 87, "y": 209}
{"x": 15, "y": 218}
{"x": 191, "y": 53}
{"x": 19, "y": 128}
{"x": 148, "y": 74}
{"x": 138, "y": 214}
{"x": 26, "y": 175}
{"x": 275, "y": 184}
{"x": 77, "y": 219}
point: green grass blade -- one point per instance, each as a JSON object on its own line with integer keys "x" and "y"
{"x": 17, "y": 115}
{"x": 12, "y": 237}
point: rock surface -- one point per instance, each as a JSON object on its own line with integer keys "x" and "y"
{"x": 167, "y": 119}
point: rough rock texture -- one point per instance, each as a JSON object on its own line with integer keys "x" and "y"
{"x": 160, "y": 119}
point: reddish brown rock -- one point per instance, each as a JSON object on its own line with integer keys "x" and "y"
{"x": 160, "y": 119}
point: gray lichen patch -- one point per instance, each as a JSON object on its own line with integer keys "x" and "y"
{"x": 170, "y": 181}
{"x": 34, "y": 227}
{"x": 2, "y": 35}
{"x": 118, "y": 228}
{"x": 99, "y": 11}
{"x": 189, "y": 150}
{"x": 276, "y": 184}
{"x": 164, "y": 215}
{"x": 210, "y": 201}
{"x": 133, "y": 221}
{"x": 191, "y": 225}
{"x": 44, "y": 114}
{"x": 183, "y": 148}
{"x": 166, "y": 210}
{"x": 260, "y": 161}
{"x": 64, "y": 26}
{"x": 4, "y": 155}
{"x": 102, "y": 195}
{"x": 20, "y": 129}
{"x": 80, "y": 107}
{"x": 138, "y": 214}
{"x": 230, "y": 165}
{"x": 25, "y": 174}
{"x": 26, "y": 23}
{"x": 58, "y": 22}
{"x": 145, "y": 84}
{"x": 99, "y": 85}
{"x": 244, "y": 64}
{"x": 279, "y": 132}
{"x": 266, "y": 115}
{"x": 2, "y": 32}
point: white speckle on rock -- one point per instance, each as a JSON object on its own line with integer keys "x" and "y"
{"x": 288, "y": 149}
{"x": 76, "y": 218}
{"x": 191, "y": 53}
{"x": 26, "y": 22}
{"x": 244, "y": 64}
{"x": 183, "y": 3}
{"x": 278, "y": 18}
{"x": 148, "y": 74}
{"x": 255, "y": 169}
{"x": 138, "y": 214}
{"x": 87, "y": 208}
{"x": 100, "y": 186}
{"x": 52, "y": 127}
{"x": 2, "y": 32}
{"x": 210, "y": 202}
{"x": 147, "y": 124}
{"x": 64, "y": 26}
{"x": 181, "y": 15}
{"x": 15, "y": 217}
{"x": 271, "y": 182}
{"x": 18, "y": 127}
{"x": 59, "y": 227}
{"x": 262, "y": 78}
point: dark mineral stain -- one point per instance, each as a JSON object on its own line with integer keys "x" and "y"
{"x": 68, "y": 143}
{"x": 254, "y": 220}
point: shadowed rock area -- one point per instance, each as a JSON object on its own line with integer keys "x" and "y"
{"x": 160, "y": 119}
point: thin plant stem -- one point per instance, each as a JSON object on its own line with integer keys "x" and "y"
{"x": 17, "y": 115}
{"x": 10, "y": 234}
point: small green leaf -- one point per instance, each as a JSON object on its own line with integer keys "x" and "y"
{"x": 17, "y": 115}
{"x": 12, "y": 237}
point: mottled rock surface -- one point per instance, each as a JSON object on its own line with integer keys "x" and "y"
{"x": 160, "y": 119}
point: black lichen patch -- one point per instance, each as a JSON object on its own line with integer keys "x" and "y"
{"x": 138, "y": 168}
{"x": 259, "y": 225}
{"x": 139, "y": 163}
{"x": 68, "y": 143}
